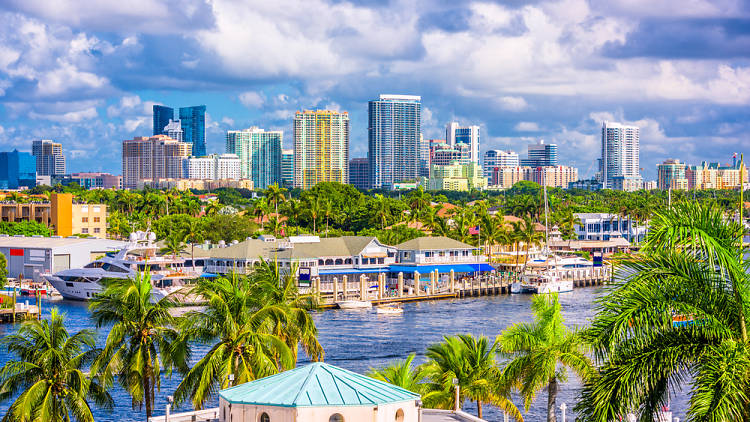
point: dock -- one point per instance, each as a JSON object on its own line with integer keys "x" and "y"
{"x": 381, "y": 290}
{"x": 22, "y": 312}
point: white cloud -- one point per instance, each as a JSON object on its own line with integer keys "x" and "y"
{"x": 68, "y": 117}
{"x": 252, "y": 99}
{"x": 512, "y": 103}
{"x": 527, "y": 127}
{"x": 227, "y": 121}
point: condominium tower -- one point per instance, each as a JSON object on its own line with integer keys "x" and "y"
{"x": 464, "y": 139}
{"x": 671, "y": 175}
{"x": 50, "y": 160}
{"x": 212, "y": 167}
{"x": 193, "y": 121}
{"x": 620, "y": 163}
{"x": 260, "y": 154}
{"x": 321, "y": 147}
{"x": 497, "y": 158}
{"x": 152, "y": 158}
{"x": 394, "y": 139}
{"x": 287, "y": 168}
{"x": 541, "y": 155}
{"x": 161, "y": 117}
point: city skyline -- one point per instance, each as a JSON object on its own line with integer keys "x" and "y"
{"x": 678, "y": 71}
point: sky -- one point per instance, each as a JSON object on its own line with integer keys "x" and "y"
{"x": 87, "y": 72}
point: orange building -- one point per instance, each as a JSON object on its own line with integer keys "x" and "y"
{"x": 61, "y": 214}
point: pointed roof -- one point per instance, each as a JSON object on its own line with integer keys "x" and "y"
{"x": 433, "y": 243}
{"x": 316, "y": 385}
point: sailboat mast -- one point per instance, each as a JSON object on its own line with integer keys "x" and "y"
{"x": 546, "y": 223}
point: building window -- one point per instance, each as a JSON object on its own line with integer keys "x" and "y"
{"x": 85, "y": 220}
{"x": 336, "y": 417}
{"x": 97, "y": 219}
{"x": 264, "y": 417}
{"x": 399, "y": 415}
{"x": 85, "y": 230}
{"x": 97, "y": 230}
{"x": 97, "y": 208}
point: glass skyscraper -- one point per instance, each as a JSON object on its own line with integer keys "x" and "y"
{"x": 260, "y": 155}
{"x": 193, "y": 120}
{"x": 393, "y": 136}
{"x": 162, "y": 116}
{"x": 17, "y": 169}
{"x": 541, "y": 155}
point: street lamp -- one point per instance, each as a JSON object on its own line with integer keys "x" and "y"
{"x": 170, "y": 400}
{"x": 563, "y": 407}
{"x": 456, "y": 389}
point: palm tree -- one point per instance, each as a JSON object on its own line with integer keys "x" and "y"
{"x": 174, "y": 244}
{"x": 275, "y": 194}
{"x": 328, "y": 211}
{"x": 273, "y": 225}
{"x": 401, "y": 374}
{"x": 382, "y": 210}
{"x": 541, "y": 353}
{"x": 194, "y": 235}
{"x": 141, "y": 341}
{"x": 48, "y": 380}
{"x": 236, "y": 324}
{"x": 692, "y": 267}
{"x": 314, "y": 209}
{"x": 293, "y": 211}
{"x": 471, "y": 362}
{"x": 213, "y": 208}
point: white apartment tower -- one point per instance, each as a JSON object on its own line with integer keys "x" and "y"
{"x": 212, "y": 167}
{"x": 620, "y": 163}
{"x": 174, "y": 130}
{"x": 50, "y": 160}
{"x": 496, "y": 158}
{"x": 464, "y": 138}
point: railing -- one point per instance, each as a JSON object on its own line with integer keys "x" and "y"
{"x": 194, "y": 416}
{"x": 451, "y": 259}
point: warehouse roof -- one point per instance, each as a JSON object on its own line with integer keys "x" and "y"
{"x": 58, "y": 242}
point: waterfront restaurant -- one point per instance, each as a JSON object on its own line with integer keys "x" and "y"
{"x": 434, "y": 258}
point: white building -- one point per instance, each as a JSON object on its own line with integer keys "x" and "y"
{"x": 497, "y": 158}
{"x": 464, "y": 138}
{"x": 603, "y": 226}
{"x": 620, "y": 157}
{"x": 212, "y": 167}
{"x": 174, "y": 130}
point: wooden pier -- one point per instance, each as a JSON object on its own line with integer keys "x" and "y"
{"x": 11, "y": 310}
{"x": 380, "y": 290}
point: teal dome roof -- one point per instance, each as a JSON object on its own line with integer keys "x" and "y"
{"x": 317, "y": 385}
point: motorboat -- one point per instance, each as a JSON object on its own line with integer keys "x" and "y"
{"x": 140, "y": 254}
{"x": 354, "y": 304}
{"x": 389, "y": 310}
{"x": 541, "y": 284}
{"x": 33, "y": 290}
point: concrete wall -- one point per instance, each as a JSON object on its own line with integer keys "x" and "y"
{"x": 382, "y": 413}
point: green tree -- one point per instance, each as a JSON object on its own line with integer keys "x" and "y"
{"x": 274, "y": 194}
{"x": 471, "y": 362}
{"x": 236, "y": 325}
{"x": 692, "y": 268}
{"x": 49, "y": 377}
{"x": 174, "y": 245}
{"x": 541, "y": 353}
{"x": 3, "y": 271}
{"x": 401, "y": 374}
{"x": 142, "y": 339}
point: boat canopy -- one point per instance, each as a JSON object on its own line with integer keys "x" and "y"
{"x": 457, "y": 268}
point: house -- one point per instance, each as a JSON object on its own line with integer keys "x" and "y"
{"x": 602, "y": 226}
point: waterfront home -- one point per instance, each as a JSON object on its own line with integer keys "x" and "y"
{"x": 314, "y": 256}
{"x": 602, "y": 226}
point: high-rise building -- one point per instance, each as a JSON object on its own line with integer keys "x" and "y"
{"x": 212, "y": 167}
{"x": 671, "y": 175}
{"x": 287, "y": 168}
{"x": 17, "y": 169}
{"x": 321, "y": 147}
{"x": 496, "y": 158}
{"x": 162, "y": 116}
{"x": 553, "y": 176}
{"x": 359, "y": 173}
{"x": 50, "y": 160}
{"x": 394, "y": 130}
{"x": 715, "y": 176}
{"x": 445, "y": 156}
{"x": 457, "y": 177}
{"x": 260, "y": 154}
{"x": 620, "y": 162}
{"x": 465, "y": 139}
{"x": 152, "y": 158}
{"x": 93, "y": 180}
{"x": 174, "y": 130}
{"x": 193, "y": 121}
{"x": 541, "y": 155}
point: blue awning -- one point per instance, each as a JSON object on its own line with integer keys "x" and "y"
{"x": 424, "y": 269}
{"x": 353, "y": 271}
{"x": 483, "y": 267}
{"x": 209, "y": 275}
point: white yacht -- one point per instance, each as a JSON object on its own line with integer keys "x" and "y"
{"x": 140, "y": 253}
{"x": 541, "y": 284}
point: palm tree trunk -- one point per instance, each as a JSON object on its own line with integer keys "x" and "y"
{"x": 479, "y": 409}
{"x": 551, "y": 400}
{"x": 147, "y": 391}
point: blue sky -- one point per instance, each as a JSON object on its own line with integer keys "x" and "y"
{"x": 86, "y": 72}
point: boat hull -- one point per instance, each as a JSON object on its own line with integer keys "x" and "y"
{"x": 73, "y": 289}
{"x": 354, "y": 304}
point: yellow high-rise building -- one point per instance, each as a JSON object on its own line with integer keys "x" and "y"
{"x": 321, "y": 147}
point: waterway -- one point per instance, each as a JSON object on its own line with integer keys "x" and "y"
{"x": 361, "y": 339}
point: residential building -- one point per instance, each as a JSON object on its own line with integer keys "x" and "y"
{"x": 620, "y": 157}
{"x": 447, "y": 156}
{"x": 50, "y": 160}
{"x": 715, "y": 176}
{"x": 424, "y": 156}
{"x": 541, "y": 155}
{"x": 195, "y": 184}
{"x": 30, "y": 257}
{"x": 506, "y": 177}
{"x": 497, "y": 158}
{"x": 587, "y": 184}
{"x": 557, "y": 176}
{"x": 671, "y": 175}
{"x": 212, "y": 167}
{"x": 649, "y": 185}
{"x": 61, "y": 214}
{"x": 153, "y": 158}
{"x": 17, "y": 170}
{"x": 173, "y": 129}
{"x": 456, "y": 176}
{"x": 193, "y": 121}
{"x": 287, "y": 168}
{"x": 260, "y": 154}
{"x": 394, "y": 131}
{"x": 321, "y": 147}
{"x": 92, "y": 180}
{"x": 603, "y": 226}
{"x": 464, "y": 138}
{"x": 162, "y": 115}
{"x": 359, "y": 173}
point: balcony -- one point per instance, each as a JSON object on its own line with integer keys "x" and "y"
{"x": 471, "y": 259}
